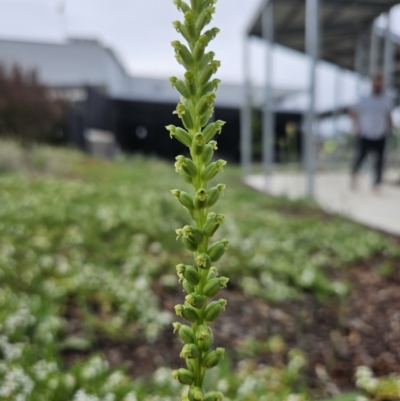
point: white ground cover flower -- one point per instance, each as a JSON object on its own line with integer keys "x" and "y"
{"x": 16, "y": 385}
{"x": 20, "y": 319}
{"x": 81, "y": 395}
{"x": 11, "y": 352}
{"x": 131, "y": 396}
{"x": 48, "y": 328}
{"x": 42, "y": 369}
{"x": 94, "y": 368}
{"x": 114, "y": 381}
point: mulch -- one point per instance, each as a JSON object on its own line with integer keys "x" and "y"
{"x": 335, "y": 337}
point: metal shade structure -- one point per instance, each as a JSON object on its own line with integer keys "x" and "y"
{"x": 342, "y": 32}
{"x": 343, "y": 22}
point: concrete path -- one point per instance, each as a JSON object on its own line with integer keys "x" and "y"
{"x": 332, "y": 192}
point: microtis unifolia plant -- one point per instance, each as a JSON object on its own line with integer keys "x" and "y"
{"x": 200, "y": 279}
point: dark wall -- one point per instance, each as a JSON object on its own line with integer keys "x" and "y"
{"x": 95, "y": 112}
{"x": 140, "y": 128}
{"x": 229, "y": 140}
{"x": 287, "y": 148}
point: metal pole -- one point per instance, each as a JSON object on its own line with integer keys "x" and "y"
{"x": 360, "y": 65}
{"x": 312, "y": 49}
{"x": 336, "y": 114}
{"x": 268, "y": 135}
{"x": 374, "y": 52}
{"x": 245, "y": 120}
{"x": 389, "y": 54}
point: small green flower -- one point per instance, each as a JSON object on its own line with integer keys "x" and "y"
{"x": 200, "y": 282}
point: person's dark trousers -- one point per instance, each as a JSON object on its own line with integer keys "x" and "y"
{"x": 365, "y": 146}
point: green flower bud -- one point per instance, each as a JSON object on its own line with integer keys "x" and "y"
{"x": 212, "y": 196}
{"x": 212, "y": 170}
{"x": 213, "y": 286}
{"x": 203, "y": 261}
{"x": 200, "y": 200}
{"x": 185, "y": 164}
{"x": 190, "y": 364}
{"x": 190, "y": 24}
{"x": 193, "y": 233}
{"x": 185, "y": 57}
{"x": 187, "y": 312}
{"x": 214, "y": 310}
{"x": 208, "y": 72}
{"x": 187, "y": 178}
{"x": 208, "y": 152}
{"x": 204, "y": 18}
{"x": 198, "y": 144}
{"x": 181, "y": 6}
{"x": 190, "y": 81}
{"x": 183, "y": 30}
{"x": 205, "y": 345}
{"x": 207, "y": 3}
{"x": 216, "y": 250}
{"x": 196, "y": 5}
{"x": 212, "y": 86}
{"x": 192, "y": 275}
{"x": 180, "y": 134}
{"x": 207, "y": 59}
{"x": 176, "y": 326}
{"x": 211, "y": 33}
{"x": 221, "y": 188}
{"x": 189, "y": 351}
{"x": 180, "y": 269}
{"x": 213, "y": 396}
{"x": 213, "y": 222}
{"x": 212, "y": 358}
{"x": 180, "y": 86}
{"x": 186, "y": 334}
{"x": 205, "y": 103}
{"x": 195, "y": 300}
{"x": 212, "y": 273}
{"x": 184, "y": 376}
{"x": 206, "y": 116}
{"x": 185, "y": 115}
{"x": 187, "y": 287}
{"x": 195, "y": 394}
{"x": 190, "y": 244}
{"x": 199, "y": 48}
{"x": 184, "y": 198}
{"x": 189, "y": 273}
{"x": 203, "y": 332}
{"x": 212, "y": 129}
{"x": 204, "y": 338}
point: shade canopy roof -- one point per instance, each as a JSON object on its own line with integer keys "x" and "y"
{"x": 342, "y": 22}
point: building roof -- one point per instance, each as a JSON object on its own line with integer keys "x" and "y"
{"x": 78, "y": 63}
{"x": 229, "y": 95}
{"x": 342, "y": 21}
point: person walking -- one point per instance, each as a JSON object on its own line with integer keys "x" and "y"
{"x": 373, "y": 124}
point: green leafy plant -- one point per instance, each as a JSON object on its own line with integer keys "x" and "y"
{"x": 379, "y": 389}
{"x": 200, "y": 281}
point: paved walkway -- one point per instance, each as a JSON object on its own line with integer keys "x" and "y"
{"x": 333, "y": 193}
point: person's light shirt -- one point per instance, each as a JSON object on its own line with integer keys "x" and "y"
{"x": 373, "y": 112}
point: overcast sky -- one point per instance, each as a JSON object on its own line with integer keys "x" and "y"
{"x": 140, "y": 31}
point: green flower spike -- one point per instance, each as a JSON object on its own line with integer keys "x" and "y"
{"x": 200, "y": 280}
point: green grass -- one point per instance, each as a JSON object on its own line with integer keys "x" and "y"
{"x": 344, "y": 397}
{"x": 97, "y": 234}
